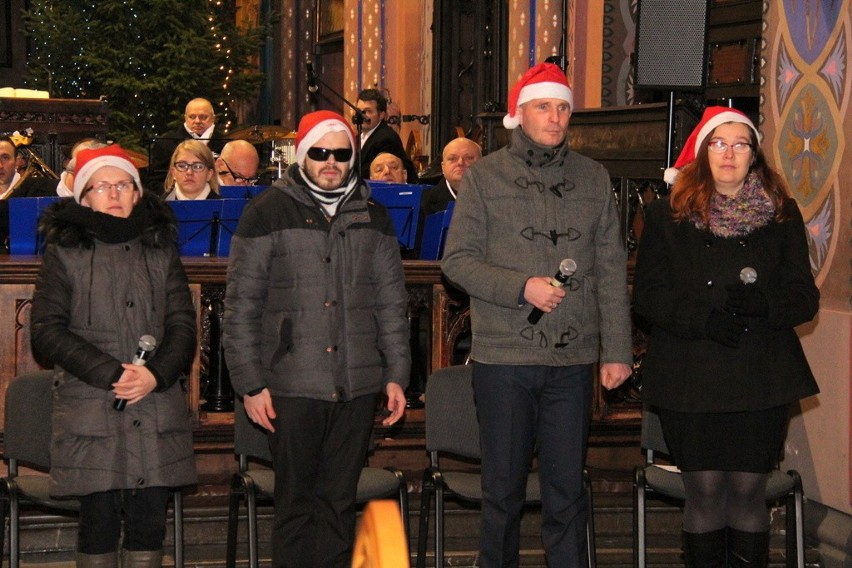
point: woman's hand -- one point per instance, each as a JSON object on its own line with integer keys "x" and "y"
{"x": 135, "y": 383}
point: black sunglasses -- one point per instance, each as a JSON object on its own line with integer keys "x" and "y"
{"x": 322, "y": 154}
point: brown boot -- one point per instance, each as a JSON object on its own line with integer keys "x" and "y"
{"x": 705, "y": 550}
{"x": 141, "y": 558}
{"x": 108, "y": 560}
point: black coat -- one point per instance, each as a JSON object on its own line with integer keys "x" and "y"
{"x": 385, "y": 139}
{"x": 433, "y": 200}
{"x": 681, "y": 274}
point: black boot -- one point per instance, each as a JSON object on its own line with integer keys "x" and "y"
{"x": 748, "y": 550}
{"x": 704, "y": 550}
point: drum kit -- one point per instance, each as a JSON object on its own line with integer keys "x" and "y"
{"x": 283, "y": 140}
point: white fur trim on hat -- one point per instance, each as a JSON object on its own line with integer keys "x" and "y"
{"x": 720, "y": 119}
{"x": 319, "y": 130}
{"x": 90, "y": 166}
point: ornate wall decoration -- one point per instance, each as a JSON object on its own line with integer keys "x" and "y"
{"x": 807, "y": 92}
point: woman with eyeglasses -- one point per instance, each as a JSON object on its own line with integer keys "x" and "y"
{"x": 722, "y": 279}
{"x": 110, "y": 275}
{"x": 192, "y": 173}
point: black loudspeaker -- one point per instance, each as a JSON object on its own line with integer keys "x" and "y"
{"x": 671, "y": 44}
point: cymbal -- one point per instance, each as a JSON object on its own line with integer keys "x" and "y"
{"x": 260, "y": 133}
{"x": 139, "y": 159}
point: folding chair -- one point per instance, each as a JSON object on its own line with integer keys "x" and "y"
{"x": 26, "y": 436}
{"x": 256, "y": 481}
{"x": 653, "y": 479}
{"x": 452, "y": 429}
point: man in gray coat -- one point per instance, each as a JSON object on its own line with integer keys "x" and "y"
{"x": 315, "y": 327}
{"x": 520, "y": 212}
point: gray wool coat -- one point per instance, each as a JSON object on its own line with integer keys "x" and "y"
{"x": 520, "y": 211}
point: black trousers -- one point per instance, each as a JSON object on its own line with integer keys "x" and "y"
{"x": 522, "y": 410}
{"x": 143, "y": 512}
{"x": 318, "y": 451}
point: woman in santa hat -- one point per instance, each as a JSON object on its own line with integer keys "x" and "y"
{"x": 111, "y": 274}
{"x": 722, "y": 279}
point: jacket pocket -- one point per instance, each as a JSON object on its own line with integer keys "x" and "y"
{"x": 81, "y": 411}
{"x": 172, "y": 413}
{"x": 285, "y": 342}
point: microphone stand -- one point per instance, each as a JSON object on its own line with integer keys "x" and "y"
{"x": 562, "y": 59}
{"x": 357, "y": 116}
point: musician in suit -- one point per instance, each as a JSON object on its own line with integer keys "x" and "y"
{"x": 377, "y": 136}
{"x": 199, "y": 124}
{"x": 458, "y": 155}
{"x": 34, "y": 186}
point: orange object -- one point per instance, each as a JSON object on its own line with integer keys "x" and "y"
{"x": 381, "y": 541}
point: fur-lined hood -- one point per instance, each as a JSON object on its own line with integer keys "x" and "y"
{"x": 71, "y": 225}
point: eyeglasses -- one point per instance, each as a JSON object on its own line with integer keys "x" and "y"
{"x": 238, "y": 179}
{"x": 720, "y": 147}
{"x": 322, "y": 154}
{"x": 195, "y": 166}
{"x": 104, "y": 186}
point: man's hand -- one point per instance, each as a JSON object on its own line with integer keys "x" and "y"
{"x": 134, "y": 384}
{"x": 539, "y": 292}
{"x": 396, "y": 403}
{"x": 259, "y": 409}
{"x": 613, "y": 374}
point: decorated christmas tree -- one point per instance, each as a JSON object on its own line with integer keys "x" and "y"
{"x": 147, "y": 58}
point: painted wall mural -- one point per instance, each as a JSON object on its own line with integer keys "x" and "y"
{"x": 807, "y": 96}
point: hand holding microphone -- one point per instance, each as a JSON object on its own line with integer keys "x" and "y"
{"x": 746, "y": 298}
{"x": 567, "y": 268}
{"x": 147, "y": 344}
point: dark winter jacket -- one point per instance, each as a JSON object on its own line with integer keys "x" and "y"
{"x": 681, "y": 275}
{"x": 104, "y": 282}
{"x": 315, "y": 308}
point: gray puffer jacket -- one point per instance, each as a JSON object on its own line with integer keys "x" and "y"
{"x": 104, "y": 282}
{"x": 315, "y": 308}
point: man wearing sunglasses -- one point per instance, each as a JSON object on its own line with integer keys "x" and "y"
{"x": 238, "y": 163}
{"x": 315, "y": 328}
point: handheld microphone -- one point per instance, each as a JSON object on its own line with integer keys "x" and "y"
{"x": 312, "y": 79}
{"x": 567, "y": 268}
{"x": 147, "y": 344}
{"x": 748, "y": 275}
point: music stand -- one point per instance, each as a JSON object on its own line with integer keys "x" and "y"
{"x": 24, "y": 213}
{"x": 403, "y": 204}
{"x": 205, "y": 227}
{"x": 241, "y": 191}
{"x": 435, "y": 233}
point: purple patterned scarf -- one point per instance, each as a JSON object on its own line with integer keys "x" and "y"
{"x": 740, "y": 215}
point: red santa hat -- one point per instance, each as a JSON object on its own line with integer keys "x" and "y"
{"x": 314, "y": 126}
{"x": 542, "y": 81}
{"x": 713, "y": 117}
{"x": 91, "y": 160}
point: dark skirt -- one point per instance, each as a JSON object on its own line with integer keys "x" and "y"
{"x": 725, "y": 441}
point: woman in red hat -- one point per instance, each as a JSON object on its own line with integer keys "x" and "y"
{"x": 111, "y": 274}
{"x": 722, "y": 279}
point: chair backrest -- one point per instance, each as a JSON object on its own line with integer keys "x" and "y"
{"x": 652, "y": 440}
{"x": 451, "y": 423}
{"x": 249, "y": 438}
{"x": 28, "y": 419}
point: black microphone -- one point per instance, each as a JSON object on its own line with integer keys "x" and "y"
{"x": 567, "y": 268}
{"x": 147, "y": 344}
{"x": 312, "y": 79}
{"x": 748, "y": 275}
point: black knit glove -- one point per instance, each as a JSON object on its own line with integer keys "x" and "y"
{"x": 747, "y": 300}
{"x": 724, "y": 328}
